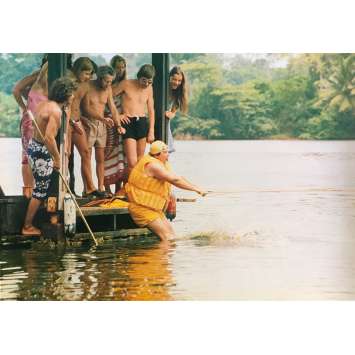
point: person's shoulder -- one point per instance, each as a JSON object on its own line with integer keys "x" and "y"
{"x": 89, "y": 87}
{"x": 42, "y": 105}
{"x": 130, "y": 81}
{"x": 123, "y": 83}
{"x": 47, "y": 109}
{"x": 52, "y": 107}
{"x": 83, "y": 87}
{"x": 90, "y": 84}
{"x": 156, "y": 169}
{"x": 154, "y": 165}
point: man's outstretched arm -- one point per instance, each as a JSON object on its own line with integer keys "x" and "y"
{"x": 159, "y": 173}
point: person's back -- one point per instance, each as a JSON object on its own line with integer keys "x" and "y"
{"x": 42, "y": 151}
{"x": 39, "y": 90}
{"x": 146, "y": 190}
{"x": 45, "y": 110}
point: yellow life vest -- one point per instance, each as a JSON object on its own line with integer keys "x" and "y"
{"x": 145, "y": 190}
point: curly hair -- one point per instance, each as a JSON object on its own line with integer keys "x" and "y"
{"x": 61, "y": 90}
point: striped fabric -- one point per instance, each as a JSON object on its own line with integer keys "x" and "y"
{"x": 115, "y": 164}
{"x": 145, "y": 190}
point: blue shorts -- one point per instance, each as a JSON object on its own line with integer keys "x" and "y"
{"x": 42, "y": 168}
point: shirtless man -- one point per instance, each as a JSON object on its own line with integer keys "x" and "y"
{"x": 44, "y": 155}
{"x": 98, "y": 95}
{"x": 81, "y": 72}
{"x": 137, "y": 96}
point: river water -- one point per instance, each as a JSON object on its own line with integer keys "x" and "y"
{"x": 280, "y": 224}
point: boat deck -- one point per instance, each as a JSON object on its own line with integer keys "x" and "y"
{"x": 100, "y": 211}
{"x": 106, "y": 224}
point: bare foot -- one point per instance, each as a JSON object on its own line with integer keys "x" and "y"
{"x": 121, "y": 193}
{"x": 31, "y": 231}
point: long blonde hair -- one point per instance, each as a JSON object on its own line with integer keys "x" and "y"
{"x": 113, "y": 62}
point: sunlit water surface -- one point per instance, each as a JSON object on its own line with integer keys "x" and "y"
{"x": 280, "y": 224}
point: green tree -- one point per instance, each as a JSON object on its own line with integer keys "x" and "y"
{"x": 14, "y": 67}
{"x": 337, "y": 86}
{"x": 185, "y": 125}
{"x": 244, "y": 112}
{"x": 9, "y": 116}
{"x": 330, "y": 124}
{"x": 291, "y": 104}
{"x": 181, "y": 58}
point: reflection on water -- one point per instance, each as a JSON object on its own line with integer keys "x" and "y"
{"x": 279, "y": 225}
{"x": 111, "y": 272}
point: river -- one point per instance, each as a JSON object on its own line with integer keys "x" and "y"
{"x": 279, "y": 225}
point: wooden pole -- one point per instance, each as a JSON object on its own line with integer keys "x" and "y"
{"x": 160, "y": 62}
{"x": 57, "y": 66}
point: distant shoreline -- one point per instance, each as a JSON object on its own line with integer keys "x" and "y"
{"x": 199, "y": 138}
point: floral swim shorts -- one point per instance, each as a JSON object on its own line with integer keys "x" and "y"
{"x": 42, "y": 168}
{"x": 26, "y": 135}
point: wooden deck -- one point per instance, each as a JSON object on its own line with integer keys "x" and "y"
{"x": 106, "y": 223}
{"x": 18, "y": 240}
{"x": 100, "y": 211}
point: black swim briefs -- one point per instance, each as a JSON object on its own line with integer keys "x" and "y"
{"x": 137, "y": 128}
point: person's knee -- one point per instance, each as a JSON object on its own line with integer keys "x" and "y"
{"x": 100, "y": 157}
{"x": 99, "y": 160}
{"x": 170, "y": 230}
{"x": 163, "y": 231}
{"x": 170, "y": 234}
{"x": 85, "y": 154}
{"x": 164, "y": 235}
{"x": 132, "y": 161}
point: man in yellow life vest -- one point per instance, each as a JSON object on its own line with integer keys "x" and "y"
{"x": 148, "y": 190}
